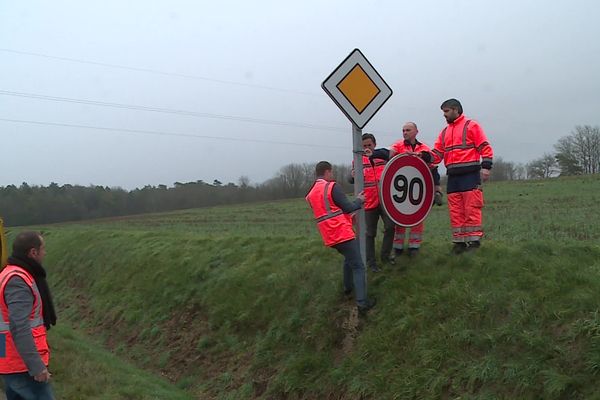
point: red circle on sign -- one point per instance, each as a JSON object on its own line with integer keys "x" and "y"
{"x": 406, "y": 190}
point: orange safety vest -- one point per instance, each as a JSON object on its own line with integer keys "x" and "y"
{"x": 463, "y": 146}
{"x": 372, "y": 174}
{"x": 11, "y": 362}
{"x": 335, "y": 226}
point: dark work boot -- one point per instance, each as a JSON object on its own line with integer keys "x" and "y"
{"x": 370, "y": 303}
{"x": 459, "y": 248}
{"x": 437, "y": 199}
{"x": 473, "y": 245}
{"x": 348, "y": 294}
{"x": 388, "y": 259}
{"x": 413, "y": 252}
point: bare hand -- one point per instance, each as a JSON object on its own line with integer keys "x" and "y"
{"x": 361, "y": 196}
{"x": 368, "y": 152}
{"x": 485, "y": 174}
{"x": 43, "y": 376}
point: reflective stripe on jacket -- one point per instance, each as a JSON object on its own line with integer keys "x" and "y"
{"x": 335, "y": 226}
{"x": 463, "y": 146}
{"x": 11, "y": 362}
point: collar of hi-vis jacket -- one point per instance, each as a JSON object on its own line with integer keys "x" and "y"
{"x": 458, "y": 120}
{"x": 407, "y": 143}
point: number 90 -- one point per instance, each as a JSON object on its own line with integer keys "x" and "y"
{"x": 407, "y": 189}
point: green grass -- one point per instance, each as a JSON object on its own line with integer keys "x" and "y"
{"x": 244, "y": 302}
{"x": 82, "y": 369}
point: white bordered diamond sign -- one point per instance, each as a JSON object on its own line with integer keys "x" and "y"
{"x": 357, "y": 89}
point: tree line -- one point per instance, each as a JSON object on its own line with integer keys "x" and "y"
{"x": 29, "y": 205}
{"x": 578, "y": 153}
{"x": 575, "y": 154}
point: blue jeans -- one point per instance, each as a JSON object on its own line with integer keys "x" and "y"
{"x": 354, "y": 270}
{"x": 24, "y": 387}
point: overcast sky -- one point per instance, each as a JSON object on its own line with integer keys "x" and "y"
{"x": 251, "y": 71}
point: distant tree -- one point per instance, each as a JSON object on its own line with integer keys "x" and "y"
{"x": 217, "y": 182}
{"x": 308, "y": 170}
{"x": 293, "y": 180}
{"x": 587, "y": 142}
{"x": 243, "y": 181}
{"x": 566, "y": 156}
{"x": 520, "y": 171}
{"x": 245, "y": 191}
{"x": 341, "y": 173}
{"x": 503, "y": 170}
{"x": 543, "y": 167}
{"x": 579, "y": 153}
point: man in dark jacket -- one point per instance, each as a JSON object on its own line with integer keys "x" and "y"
{"x": 332, "y": 209}
{"x": 27, "y": 312}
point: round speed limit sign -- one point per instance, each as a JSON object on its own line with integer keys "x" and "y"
{"x": 406, "y": 190}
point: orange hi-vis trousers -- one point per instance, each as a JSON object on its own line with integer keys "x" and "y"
{"x": 414, "y": 238}
{"x": 465, "y": 215}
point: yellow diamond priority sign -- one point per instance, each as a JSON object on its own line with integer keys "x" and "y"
{"x": 357, "y": 89}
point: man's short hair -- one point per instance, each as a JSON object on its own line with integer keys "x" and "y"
{"x": 452, "y": 103}
{"x": 321, "y": 167}
{"x": 26, "y": 241}
{"x": 413, "y": 124}
{"x": 366, "y": 136}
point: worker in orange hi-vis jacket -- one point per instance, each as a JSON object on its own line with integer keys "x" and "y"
{"x": 332, "y": 211}
{"x": 468, "y": 158}
{"x": 410, "y": 145}
{"x": 372, "y": 170}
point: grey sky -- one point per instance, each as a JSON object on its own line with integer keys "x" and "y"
{"x": 527, "y": 71}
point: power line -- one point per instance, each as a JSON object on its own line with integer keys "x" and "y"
{"x": 181, "y": 112}
{"x": 162, "y": 133}
{"x": 170, "y": 111}
{"x": 158, "y": 72}
{"x": 177, "y": 112}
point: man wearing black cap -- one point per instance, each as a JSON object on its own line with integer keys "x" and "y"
{"x": 468, "y": 157}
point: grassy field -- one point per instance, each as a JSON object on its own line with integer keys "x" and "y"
{"x": 82, "y": 369}
{"x": 244, "y": 302}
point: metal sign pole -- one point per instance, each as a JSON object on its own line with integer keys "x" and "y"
{"x": 359, "y": 91}
{"x": 359, "y": 185}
